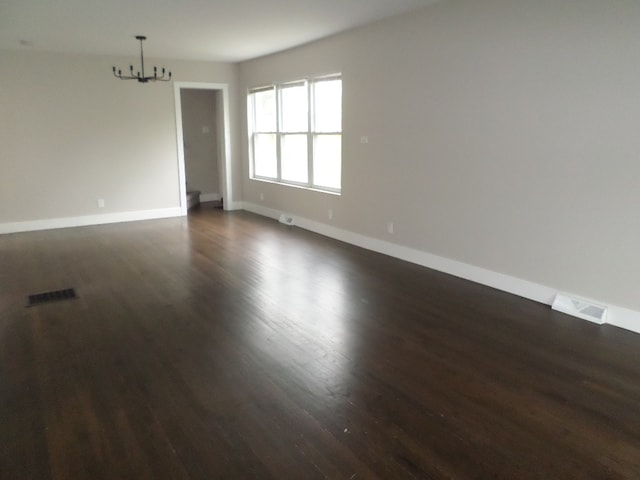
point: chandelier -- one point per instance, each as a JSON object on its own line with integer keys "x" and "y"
{"x": 139, "y": 75}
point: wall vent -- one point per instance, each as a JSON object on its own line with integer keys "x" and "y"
{"x": 286, "y": 219}
{"x": 580, "y": 308}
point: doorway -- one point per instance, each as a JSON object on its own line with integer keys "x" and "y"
{"x": 202, "y": 127}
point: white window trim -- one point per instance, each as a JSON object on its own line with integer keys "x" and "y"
{"x": 310, "y": 133}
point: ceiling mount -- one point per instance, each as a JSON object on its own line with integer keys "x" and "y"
{"x": 139, "y": 75}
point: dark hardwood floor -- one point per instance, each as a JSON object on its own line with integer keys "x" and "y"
{"x": 228, "y": 346}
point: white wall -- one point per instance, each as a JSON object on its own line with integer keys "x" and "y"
{"x": 72, "y": 133}
{"x": 502, "y": 134}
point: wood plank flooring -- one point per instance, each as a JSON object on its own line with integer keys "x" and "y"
{"x": 228, "y": 346}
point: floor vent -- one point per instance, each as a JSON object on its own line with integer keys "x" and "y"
{"x": 580, "y": 308}
{"x": 48, "y": 297}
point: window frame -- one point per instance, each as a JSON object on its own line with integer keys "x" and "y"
{"x": 280, "y": 133}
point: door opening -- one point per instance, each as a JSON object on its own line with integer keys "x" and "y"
{"x": 202, "y": 125}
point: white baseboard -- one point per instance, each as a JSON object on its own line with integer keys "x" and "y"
{"x": 617, "y": 316}
{"x": 210, "y": 197}
{"x": 234, "y": 205}
{"x": 66, "y": 222}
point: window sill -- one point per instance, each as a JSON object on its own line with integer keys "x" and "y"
{"x": 301, "y": 187}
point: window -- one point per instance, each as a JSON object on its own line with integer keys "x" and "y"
{"x": 296, "y": 133}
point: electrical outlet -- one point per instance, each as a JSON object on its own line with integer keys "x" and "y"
{"x": 101, "y": 203}
{"x": 261, "y": 197}
{"x": 330, "y": 214}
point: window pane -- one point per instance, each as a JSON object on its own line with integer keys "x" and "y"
{"x": 294, "y": 158}
{"x": 264, "y": 107}
{"x": 328, "y": 106}
{"x": 264, "y": 155}
{"x": 327, "y": 161}
{"x": 294, "y": 113}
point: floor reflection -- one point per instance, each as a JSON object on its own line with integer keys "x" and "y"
{"x": 303, "y": 317}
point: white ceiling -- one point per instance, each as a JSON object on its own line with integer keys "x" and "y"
{"x": 214, "y": 30}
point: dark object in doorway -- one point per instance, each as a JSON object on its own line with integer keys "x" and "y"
{"x": 193, "y": 198}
